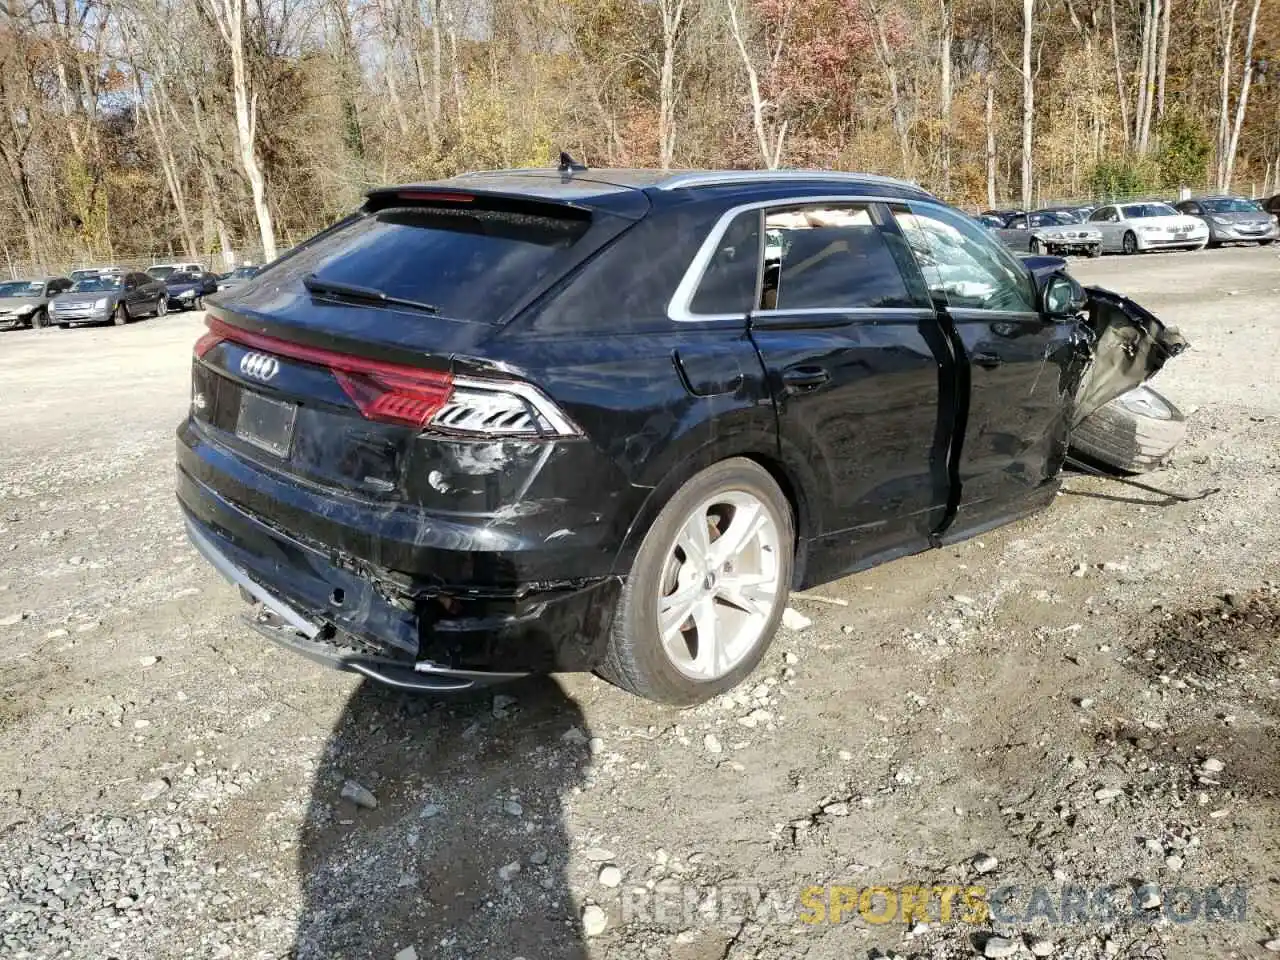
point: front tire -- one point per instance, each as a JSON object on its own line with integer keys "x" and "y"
{"x": 1094, "y": 251}
{"x": 1130, "y": 243}
{"x": 120, "y": 316}
{"x": 39, "y": 320}
{"x": 707, "y": 589}
{"x": 197, "y": 303}
{"x": 1034, "y": 247}
{"x": 162, "y": 306}
{"x": 1134, "y": 433}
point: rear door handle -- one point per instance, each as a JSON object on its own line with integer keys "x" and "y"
{"x": 988, "y": 360}
{"x": 805, "y": 377}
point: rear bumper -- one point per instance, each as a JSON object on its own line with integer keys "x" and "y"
{"x": 409, "y": 632}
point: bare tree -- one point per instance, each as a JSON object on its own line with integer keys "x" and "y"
{"x": 945, "y": 37}
{"x": 890, "y": 64}
{"x": 1242, "y": 101}
{"x": 1028, "y": 101}
{"x": 229, "y": 15}
{"x": 1226, "y": 33}
{"x": 672, "y": 14}
{"x": 991, "y": 138}
{"x": 1122, "y": 93}
{"x": 769, "y": 141}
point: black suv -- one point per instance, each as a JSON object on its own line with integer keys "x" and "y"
{"x": 545, "y": 420}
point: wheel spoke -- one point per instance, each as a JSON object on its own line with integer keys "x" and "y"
{"x": 709, "y": 661}
{"x": 750, "y": 593}
{"x": 695, "y": 540}
{"x": 748, "y": 520}
{"x": 674, "y": 610}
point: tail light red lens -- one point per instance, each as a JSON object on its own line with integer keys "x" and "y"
{"x": 395, "y": 393}
{"x": 389, "y": 392}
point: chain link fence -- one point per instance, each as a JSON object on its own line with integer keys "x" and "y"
{"x": 212, "y": 262}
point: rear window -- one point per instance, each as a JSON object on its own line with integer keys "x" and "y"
{"x": 471, "y": 264}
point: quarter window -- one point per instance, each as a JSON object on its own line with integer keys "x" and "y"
{"x": 962, "y": 265}
{"x": 729, "y": 283}
{"x": 829, "y": 257}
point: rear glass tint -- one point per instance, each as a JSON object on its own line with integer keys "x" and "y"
{"x": 729, "y": 283}
{"x": 472, "y": 264}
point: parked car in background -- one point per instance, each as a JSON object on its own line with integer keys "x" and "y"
{"x": 1048, "y": 232}
{"x": 188, "y": 288}
{"x": 1069, "y": 214}
{"x": 161, "y": 271}
{"x": 237, "y": 276}
{"x": 25, "y": 303}
{"x": 1233, "y": 220}
{"x": 535, "y": 457}
{"x": 1151, "y": 225}
{"x": 1002, "y": 215}
{"x": 107, "y": 298}
{"x": 86, "y": 272}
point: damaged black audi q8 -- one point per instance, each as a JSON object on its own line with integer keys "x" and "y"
{"x": 535, "y": 421}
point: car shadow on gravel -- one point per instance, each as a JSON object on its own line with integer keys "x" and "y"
{"x": 465, "y": 852}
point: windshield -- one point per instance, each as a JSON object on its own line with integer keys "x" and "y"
{"x": 244, "y": 272}
{"x": 1065, "y": 216}
{"x": 93, "y": 284}
{"x": 1230, "y": 205}
{"x": 22, "y": 288}
{"x": 1136, "y": 211}
{"x": 1048, "y": 220}
{"x": 160, "y": 272}
{"x": 182, "y": 278}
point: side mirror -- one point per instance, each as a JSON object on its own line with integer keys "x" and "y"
{"x": 1062, "y": 296}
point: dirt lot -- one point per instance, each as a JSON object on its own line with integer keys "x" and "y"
{"x": 1048, "y": 695}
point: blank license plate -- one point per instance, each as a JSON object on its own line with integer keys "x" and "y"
{"x": 1179, "y": 236}
{"x": 266, "y": 423}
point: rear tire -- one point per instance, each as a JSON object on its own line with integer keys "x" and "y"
{"x": 1134, "y": 433}
{"x": 682, "y": 669}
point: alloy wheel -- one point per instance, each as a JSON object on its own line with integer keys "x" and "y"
{"x": 719, "y": 586}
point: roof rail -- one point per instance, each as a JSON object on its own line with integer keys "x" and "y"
{"x": 706, "y": 178}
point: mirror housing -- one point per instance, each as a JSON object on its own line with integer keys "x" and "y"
{"x": 1061, "y": 295}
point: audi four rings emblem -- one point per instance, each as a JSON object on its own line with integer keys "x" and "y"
{"x": 259, "y": 366}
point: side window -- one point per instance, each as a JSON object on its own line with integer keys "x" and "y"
{"x": 832, "y": 256}
{"x": 1017, "y": 223}
{"x": 1101, "y": 215}
{"x": 729, "y": 282}
{"x": 964, "y": 265}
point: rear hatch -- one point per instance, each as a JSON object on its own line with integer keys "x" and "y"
{"x": 355, "y": 367}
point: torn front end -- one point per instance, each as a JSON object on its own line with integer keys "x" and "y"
{"x": 1124, "y": 346}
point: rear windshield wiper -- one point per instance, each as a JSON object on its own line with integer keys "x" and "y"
{"x": 365, "y": 294}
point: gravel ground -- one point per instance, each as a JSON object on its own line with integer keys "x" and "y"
{"x": 1088, "y": 698}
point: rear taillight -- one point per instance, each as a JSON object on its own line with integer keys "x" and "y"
{"x": 396, "y": 393}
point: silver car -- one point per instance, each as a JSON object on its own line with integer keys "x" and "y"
{"x": 1150, "y": 225}
{"x": 1051, "y": 232}
{"x": 1233, "y": 220}
{"x": 25, "y": 303}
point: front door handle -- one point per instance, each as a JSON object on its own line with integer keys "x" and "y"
{"x": 988, "y": 360}
{"x": 804, "y": 377}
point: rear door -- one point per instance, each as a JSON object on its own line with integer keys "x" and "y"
{"x": 858, "y": 368}
{"x": 1019, "y": 363}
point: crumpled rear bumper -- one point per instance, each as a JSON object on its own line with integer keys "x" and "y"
{"x": 390, "y": 628}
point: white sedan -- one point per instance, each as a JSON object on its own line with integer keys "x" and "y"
{"x": 1136, "y": 227}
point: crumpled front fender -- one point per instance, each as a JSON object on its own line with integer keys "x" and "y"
{"x": 1125, "y": 345}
